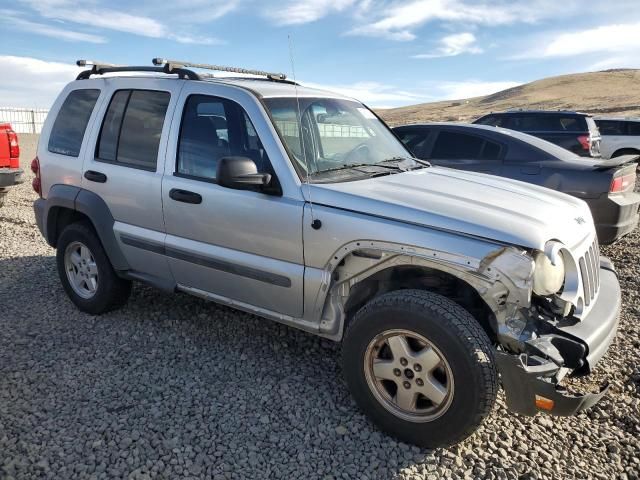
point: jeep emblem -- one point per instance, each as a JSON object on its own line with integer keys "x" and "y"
{"x": 579, "y": 220}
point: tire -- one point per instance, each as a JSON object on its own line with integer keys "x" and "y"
{"x": 465, "y": 367}
{"x": 108, "y": 291}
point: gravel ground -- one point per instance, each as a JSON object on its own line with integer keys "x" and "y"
{"x": 174, "y": 387}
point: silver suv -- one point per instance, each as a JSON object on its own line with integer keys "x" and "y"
{"x": 302, "y": 207}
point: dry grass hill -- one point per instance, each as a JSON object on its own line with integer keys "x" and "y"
{"x": 610, "y": 92}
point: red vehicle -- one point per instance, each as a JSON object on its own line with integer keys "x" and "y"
{"x": 10, "y": 172}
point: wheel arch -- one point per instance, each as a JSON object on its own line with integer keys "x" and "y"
{"x": 421, "y": 277}
{"x": 625, "y": 151}
{"x": 67, "y": 204}
{"x": 483, "y": 286}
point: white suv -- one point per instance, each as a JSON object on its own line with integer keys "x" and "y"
{"x": 302, "y": 207}
{"x": 620, "y": 136}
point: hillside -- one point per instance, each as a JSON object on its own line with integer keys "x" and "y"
{"x": 609, "y": 92}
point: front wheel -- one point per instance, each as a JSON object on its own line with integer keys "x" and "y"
{"x": 421, "y": 367}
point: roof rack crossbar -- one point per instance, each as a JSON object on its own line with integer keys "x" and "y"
{"x": 99, "y": 68}
{"x": 173, "y": 64}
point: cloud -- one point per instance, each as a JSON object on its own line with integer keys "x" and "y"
{"x": 380, "y": 95}
{"x": 68, "y": 11}
{"x": 453, "y": 45}
{"x": 398, "y": 20}
{"x": 471, "y": 88}
{"x": 14, "y": 22}
{"x": 196, "y": 11}
{"x": 298, "y": 12}
{"x": 30, "y": 82}
{"x": 374, "y": 94}
{"x": 624, "y": 37}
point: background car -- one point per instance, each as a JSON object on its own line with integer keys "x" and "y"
{"x": 606, "y": 185}
{"x": 10, "y": 171}
{"x": 620, "y": 136}
{"x": 577, "y": 132}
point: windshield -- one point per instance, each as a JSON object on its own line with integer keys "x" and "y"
{"x": 337, "y": 140}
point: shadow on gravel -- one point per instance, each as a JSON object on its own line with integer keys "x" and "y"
{"x": 173, "y": 386}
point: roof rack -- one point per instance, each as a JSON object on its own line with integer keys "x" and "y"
{"x": 175, "y": 67}
{"x": 100, "y": 68}
{"x": 172, "y": 64}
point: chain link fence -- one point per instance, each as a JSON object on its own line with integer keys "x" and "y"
{"x": 24, "y": 120}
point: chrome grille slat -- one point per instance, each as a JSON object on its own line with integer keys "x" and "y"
{"x": 590, "y": 272}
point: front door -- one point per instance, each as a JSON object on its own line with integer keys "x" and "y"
{"x": 242, "y": 246}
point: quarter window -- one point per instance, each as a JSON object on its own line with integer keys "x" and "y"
{"x": 213, "y": 128}
{"x": 70, "y": 124}
{"x": 132, "y": 128}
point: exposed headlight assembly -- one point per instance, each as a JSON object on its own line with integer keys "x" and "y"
{"x": 549, "y": 271}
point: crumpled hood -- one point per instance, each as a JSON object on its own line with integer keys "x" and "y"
{"x": 487, "y": 206}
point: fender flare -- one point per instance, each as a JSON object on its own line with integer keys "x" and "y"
{"x": 93, "y": 207}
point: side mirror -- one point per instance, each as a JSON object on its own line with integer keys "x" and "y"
{"x": 240, "y": 173}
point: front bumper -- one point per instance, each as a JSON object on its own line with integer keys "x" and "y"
{"x": 10, "y": 177}
{"x": 529, "y": 379}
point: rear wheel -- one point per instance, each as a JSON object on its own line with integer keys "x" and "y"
{"x": 86, "y": 273}
{"x": 420, "y": 366}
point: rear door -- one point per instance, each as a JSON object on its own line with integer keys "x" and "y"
{"x": 125, "y": 165}
{"x": 613, "y": 134}
{"x": 465, "y": 151}
{"x": 237, "y": 246}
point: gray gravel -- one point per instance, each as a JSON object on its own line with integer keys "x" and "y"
{"x": 174, "y": 387}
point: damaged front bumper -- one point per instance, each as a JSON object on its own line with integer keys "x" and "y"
{"x": 530, "y": 379}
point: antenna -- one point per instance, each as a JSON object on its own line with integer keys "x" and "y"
{"x": 315, "y": 223}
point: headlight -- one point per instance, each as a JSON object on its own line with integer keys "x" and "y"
{"x": 547, "y": 277}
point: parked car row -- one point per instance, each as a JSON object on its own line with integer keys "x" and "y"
{"x": 302, "y": 206}
{"x": 606, "y": 185}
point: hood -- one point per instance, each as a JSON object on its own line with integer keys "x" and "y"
{"x": 481, "y": 205}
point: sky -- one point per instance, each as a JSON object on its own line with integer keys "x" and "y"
{"x": 386, "y": 53}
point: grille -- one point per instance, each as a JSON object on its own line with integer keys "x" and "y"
{"x": 590, "y": 272}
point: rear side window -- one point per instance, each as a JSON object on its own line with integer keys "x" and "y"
{"x": 70, "y": 124}
{"x": 460, "y": 146}
{"x": 132, "y": 128}
{"x": 450, "y": 145}
{"x": 610, "y": 127}
{"x": 633, "y": 128}
{"x": 213, "y": 128}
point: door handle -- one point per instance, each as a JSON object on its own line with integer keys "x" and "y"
{"x": 185, "y": 196}
{"x": 533, "y": 170}
{"x": 95, "y": 176}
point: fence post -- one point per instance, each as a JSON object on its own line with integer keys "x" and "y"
{"x": 33, "y": 121}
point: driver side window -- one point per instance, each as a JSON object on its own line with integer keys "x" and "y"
{"x": 213, "y": 128}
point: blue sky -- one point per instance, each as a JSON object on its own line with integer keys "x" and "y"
{"x": 384, "y": 52}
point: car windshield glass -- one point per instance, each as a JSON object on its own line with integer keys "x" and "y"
{"x": 336, "y": 140}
